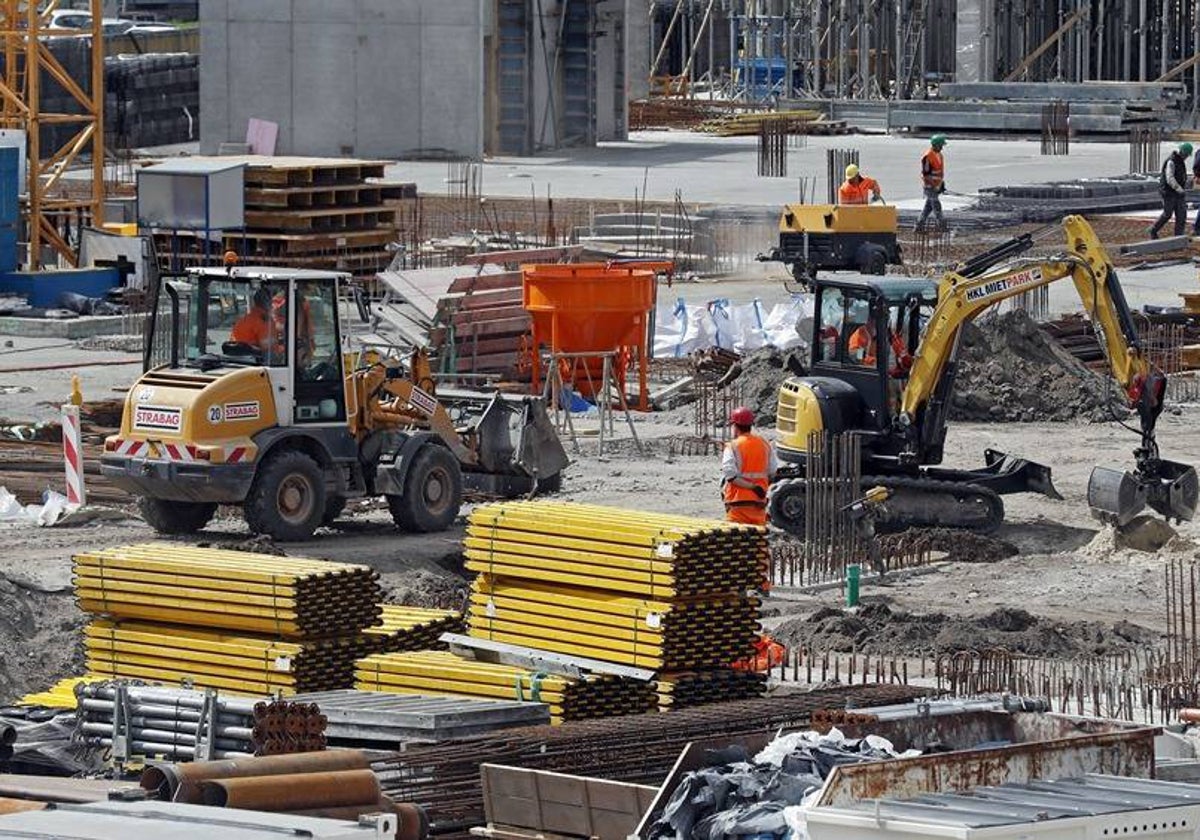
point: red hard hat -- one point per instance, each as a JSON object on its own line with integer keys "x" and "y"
{"x": 741, "y": 416}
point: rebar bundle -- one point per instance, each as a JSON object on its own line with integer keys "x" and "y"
{"x": 1056, "y": 128}
{"x": 412, "y": 628}
{"x": 242, "y": 663}
{"x": 440, "y": 672}
{"x": 444, "y": 779}
{"x": 182, "y": 725}
{"x": 627, "y": 552}
{"x": 1145, "y": 145}
{"x": 772, "y": 148}
{"x": 232, "y": 590}
{"x": 658, "y": 635}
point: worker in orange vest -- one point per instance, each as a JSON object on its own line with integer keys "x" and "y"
{"x": 863, "y": 349}
{"x": 857, "y": 188}
{"x": 933, "y": 181}
{"x": 747, "y": 465}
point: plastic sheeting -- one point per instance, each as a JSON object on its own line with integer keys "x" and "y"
{"x": 685, "y": 328}
{"x": 764, "y": 797}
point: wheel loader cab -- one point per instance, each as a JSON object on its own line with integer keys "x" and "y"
{"x": 283, "y": 320}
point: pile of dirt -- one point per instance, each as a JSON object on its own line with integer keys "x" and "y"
{"x": 423, "y": 588}
{"x": 761, "y": 373}
{"x": 959, "y": 546}
{"x": 876, "y": 628}
{"x": 39, "y": 634}
{"x": 1011, "y": 371}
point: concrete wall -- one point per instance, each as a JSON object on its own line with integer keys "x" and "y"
{"x": 365, "y": 78}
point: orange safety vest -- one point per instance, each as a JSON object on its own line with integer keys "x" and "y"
{"x": 860, "y": 339}
{"x": 860, "y": 193}
{"x": 933, "y": 168}
{"x": 753, "y": 455}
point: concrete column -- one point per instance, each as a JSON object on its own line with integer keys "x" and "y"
{"x": 637, "y": 49}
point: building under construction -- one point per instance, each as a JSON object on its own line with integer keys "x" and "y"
{"x": 902, "y": 49}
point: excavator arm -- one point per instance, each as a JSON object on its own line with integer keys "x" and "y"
{"x": 1168, "y": 487}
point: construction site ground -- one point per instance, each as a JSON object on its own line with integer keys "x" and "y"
{"x": 1067, "y": 569}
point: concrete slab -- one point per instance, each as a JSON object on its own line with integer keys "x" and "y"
{"x": 723, "y": 170}
{"x": 74, "y": 328}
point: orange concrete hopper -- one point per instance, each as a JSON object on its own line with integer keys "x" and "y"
{"x": 590, "y": 310}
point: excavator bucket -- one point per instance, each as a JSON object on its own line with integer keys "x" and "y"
{"x": 519, "y": 450}
{"x": 1168, "y": 487}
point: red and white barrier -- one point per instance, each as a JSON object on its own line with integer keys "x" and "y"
{"x": 72, "y": 437}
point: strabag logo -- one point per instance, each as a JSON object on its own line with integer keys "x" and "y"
{"x": 241, "y": 411}
{"x": 157, "y": 417}
{"x": 1013, "y": 281}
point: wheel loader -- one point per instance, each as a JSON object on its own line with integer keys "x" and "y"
{"x": 248, "y": 398}
{"x": 883, "y": 364}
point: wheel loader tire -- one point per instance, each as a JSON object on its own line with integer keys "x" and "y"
{"x": 334, "y": 505}
{"x": 287, "y": 499}
{"x": 432, "y": 492}
{"x": 168, "y": 517}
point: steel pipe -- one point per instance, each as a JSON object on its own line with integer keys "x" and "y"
{"x": 293, "y": 792}
{"x": 180, "y": 782}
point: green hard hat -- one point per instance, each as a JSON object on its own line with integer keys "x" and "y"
{"x": 1185, "y": 149}
{"x": 937, "y": 141}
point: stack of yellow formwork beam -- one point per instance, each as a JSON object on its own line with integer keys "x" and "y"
{"x": 681, "y": 690}
{"x": 242, "y": 622}
{"x": 441, "y": 672}
{"x": 703, "y": 631}
{"x": 243, "y": 663}
{"x": 61, "y": 695}
{"x": 665, "y": 593}
{"x": 412, "y": 628}
{"x": 231, "y": 590}
{"x": 630, "y": 552}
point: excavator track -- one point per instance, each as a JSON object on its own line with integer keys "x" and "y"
{"x": 914, "y": 503}
{"x": 929, "y": 503}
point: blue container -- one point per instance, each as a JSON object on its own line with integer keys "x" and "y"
{"x": 42, "y": 288}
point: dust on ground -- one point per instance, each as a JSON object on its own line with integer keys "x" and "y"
{"x": 1010, "y": 370}
{"x": 878, "y": 628}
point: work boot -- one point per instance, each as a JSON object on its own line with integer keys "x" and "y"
{"x": 1153, "y": 233}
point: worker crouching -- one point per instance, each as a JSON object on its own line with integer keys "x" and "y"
{"x": 747, "y": 466}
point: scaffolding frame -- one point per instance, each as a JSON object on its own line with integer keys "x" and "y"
{"x": 23, "y": 29}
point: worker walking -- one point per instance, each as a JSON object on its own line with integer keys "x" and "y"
{"x": 747, "y": 465}
{"x": 1172, "y": 184}
{"x": 857, "y": 188}
{"x": 933, "y": 181}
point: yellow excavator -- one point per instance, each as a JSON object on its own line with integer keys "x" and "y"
{"x": 883, "y": 366}
{"x": 248, "y": 398}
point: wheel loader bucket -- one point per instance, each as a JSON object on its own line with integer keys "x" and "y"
{"x": 1168, "y": 487}
{"x": 515, "y": 437}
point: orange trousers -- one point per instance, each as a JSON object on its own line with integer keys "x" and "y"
{"x": 746, "y": 514}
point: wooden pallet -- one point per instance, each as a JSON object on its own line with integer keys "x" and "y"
{"x": 323, "y": 219}
{"x": 338, "y": 195}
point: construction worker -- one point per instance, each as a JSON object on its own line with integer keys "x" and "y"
{"x": 747, "y": 465}
{"x": 862, "y": 349}
{"x": 1172, "y": 184}
{"x": 254, "y": 328}
{"x": 857, "y": 189}
{"x": 933, "y": 181}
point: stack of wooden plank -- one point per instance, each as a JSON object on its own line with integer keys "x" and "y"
{"x": 471, "y": 316}
{"x": 441, "y": 672}
{"x": 412, "y": 628}
{"x": 322, "y": 213}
